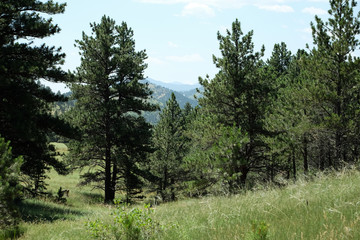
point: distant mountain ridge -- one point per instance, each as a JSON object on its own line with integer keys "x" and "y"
{"x": 160, "y": 96}
{"x": 175, "y": 86}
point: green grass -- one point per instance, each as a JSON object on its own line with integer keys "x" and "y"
{"x": 328, "y": 207}
{"x": 61, "y": 148}
{"x": 46, "y": 219}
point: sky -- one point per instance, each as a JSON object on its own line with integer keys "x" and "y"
{"x": 180, "y": 36}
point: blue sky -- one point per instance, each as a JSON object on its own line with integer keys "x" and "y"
{"x": 180, "y": 36}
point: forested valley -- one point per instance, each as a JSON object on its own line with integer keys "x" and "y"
{"x": 257, "y": 122}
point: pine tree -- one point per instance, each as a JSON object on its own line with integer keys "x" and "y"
{"x": 335, "y": 71}
{"x": 289, "y": 117}
{"x": 169, "y": 142}
{"x": 25, "y": 117}
{"x": 280, "y": 60}
{"x": 279, "y": 118}
{"x": 132, "y": 157}
{"x": 238, "y": 97}
{"x": 110, "y": 98}
{"x": 9, "y": 185}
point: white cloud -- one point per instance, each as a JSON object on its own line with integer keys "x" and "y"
{"x": 319, "y": 1}
{"x": 154, "y": 61}
{"x": 276, "y": 8}
{"x": 163, "y": 1}
{"x": 314, "y": 11}
{"x": 190, "y": 58}
{"x": 306, "y": 34}
{"x": 173, "y": 45}
{"x": 185, "y": 58}
{"x": 197, "y": 9}
{"x": 222, "y": 3}
{"x": 307, "y": 30}
{"x": 208, "y": 7}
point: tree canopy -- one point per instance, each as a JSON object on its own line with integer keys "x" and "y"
{"x": 110, "y": 98}
{"x": 25, "y": 119}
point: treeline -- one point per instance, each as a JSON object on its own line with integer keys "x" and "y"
{"x": 257, "y": 120}
{"x": 263, "y": 121}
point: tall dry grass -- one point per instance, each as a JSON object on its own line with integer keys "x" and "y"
{"x": 327, "y": 207}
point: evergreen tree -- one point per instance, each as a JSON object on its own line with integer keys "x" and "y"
{"x": 238, "y": 97}
{"x": 280, "y": 60}
{"x": 9, "y": 185}
{"x": 335, "y": 72}
{"x": 169, "y": 142}
{"x": 131, "y": 157}
{"x": 25, "y": 117}
{"x": 187, "y": 113}
{"x": 279, "y": 119}
{"x": 200, "y": 161}
{"x": 110, "y": 98}
{"x": 289, "y": 116}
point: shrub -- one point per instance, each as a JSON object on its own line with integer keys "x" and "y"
{"x": 9, "y": 187}
{"x": 60, "y": 196}
{"x": 259, "y": 230}
{"x": 134, "y": 224}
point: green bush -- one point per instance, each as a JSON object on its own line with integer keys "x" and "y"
{"x": 259, "y": 230}
{"x": 134, "y": 224}
{"x": 60, "y": 196}
{"x": 9, "y": 187}
{"x": 11, "y": 232}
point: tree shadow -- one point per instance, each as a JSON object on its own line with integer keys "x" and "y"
{"x": 45, "y": 212}
{"x": 93, "y": 198}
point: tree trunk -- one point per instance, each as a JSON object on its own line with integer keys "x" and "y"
{"x": 288, "y": 167}
{"x": 270, "y": 170}
{"x": 338, "y": 112}
{"x": 305, "y": 154}
{"x": 164, "y": 184}
{"x": 172, "y": 182}
{"x": 294, "y": 163}
{"x": 321, "y": 156}
{"x": 108, "y": 186}
{"x": 244, "y": 172}
{"x": 113, "y": 181}
{"x": 338, "y": 149}
{"x": 109, "y": 192}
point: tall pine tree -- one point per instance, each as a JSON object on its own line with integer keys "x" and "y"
{"x": 238, "y": 97}
{"x": 170, "y": 147}
{"x": 25, "y": 117}
{"x": 334, "y": 69}
{"x": 110, "y": 98}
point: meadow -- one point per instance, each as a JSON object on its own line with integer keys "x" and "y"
{"x": 325, "y": 207}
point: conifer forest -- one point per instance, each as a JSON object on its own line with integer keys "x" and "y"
{"x": 258, "y": 122}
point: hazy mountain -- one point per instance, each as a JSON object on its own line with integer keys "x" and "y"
{"x": 175, "y": 86}
{"x": 191, "y": 94}
{"x": 160, "y": 96}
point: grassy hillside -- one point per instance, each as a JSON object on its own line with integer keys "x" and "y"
{"x": 327, "y": 207}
